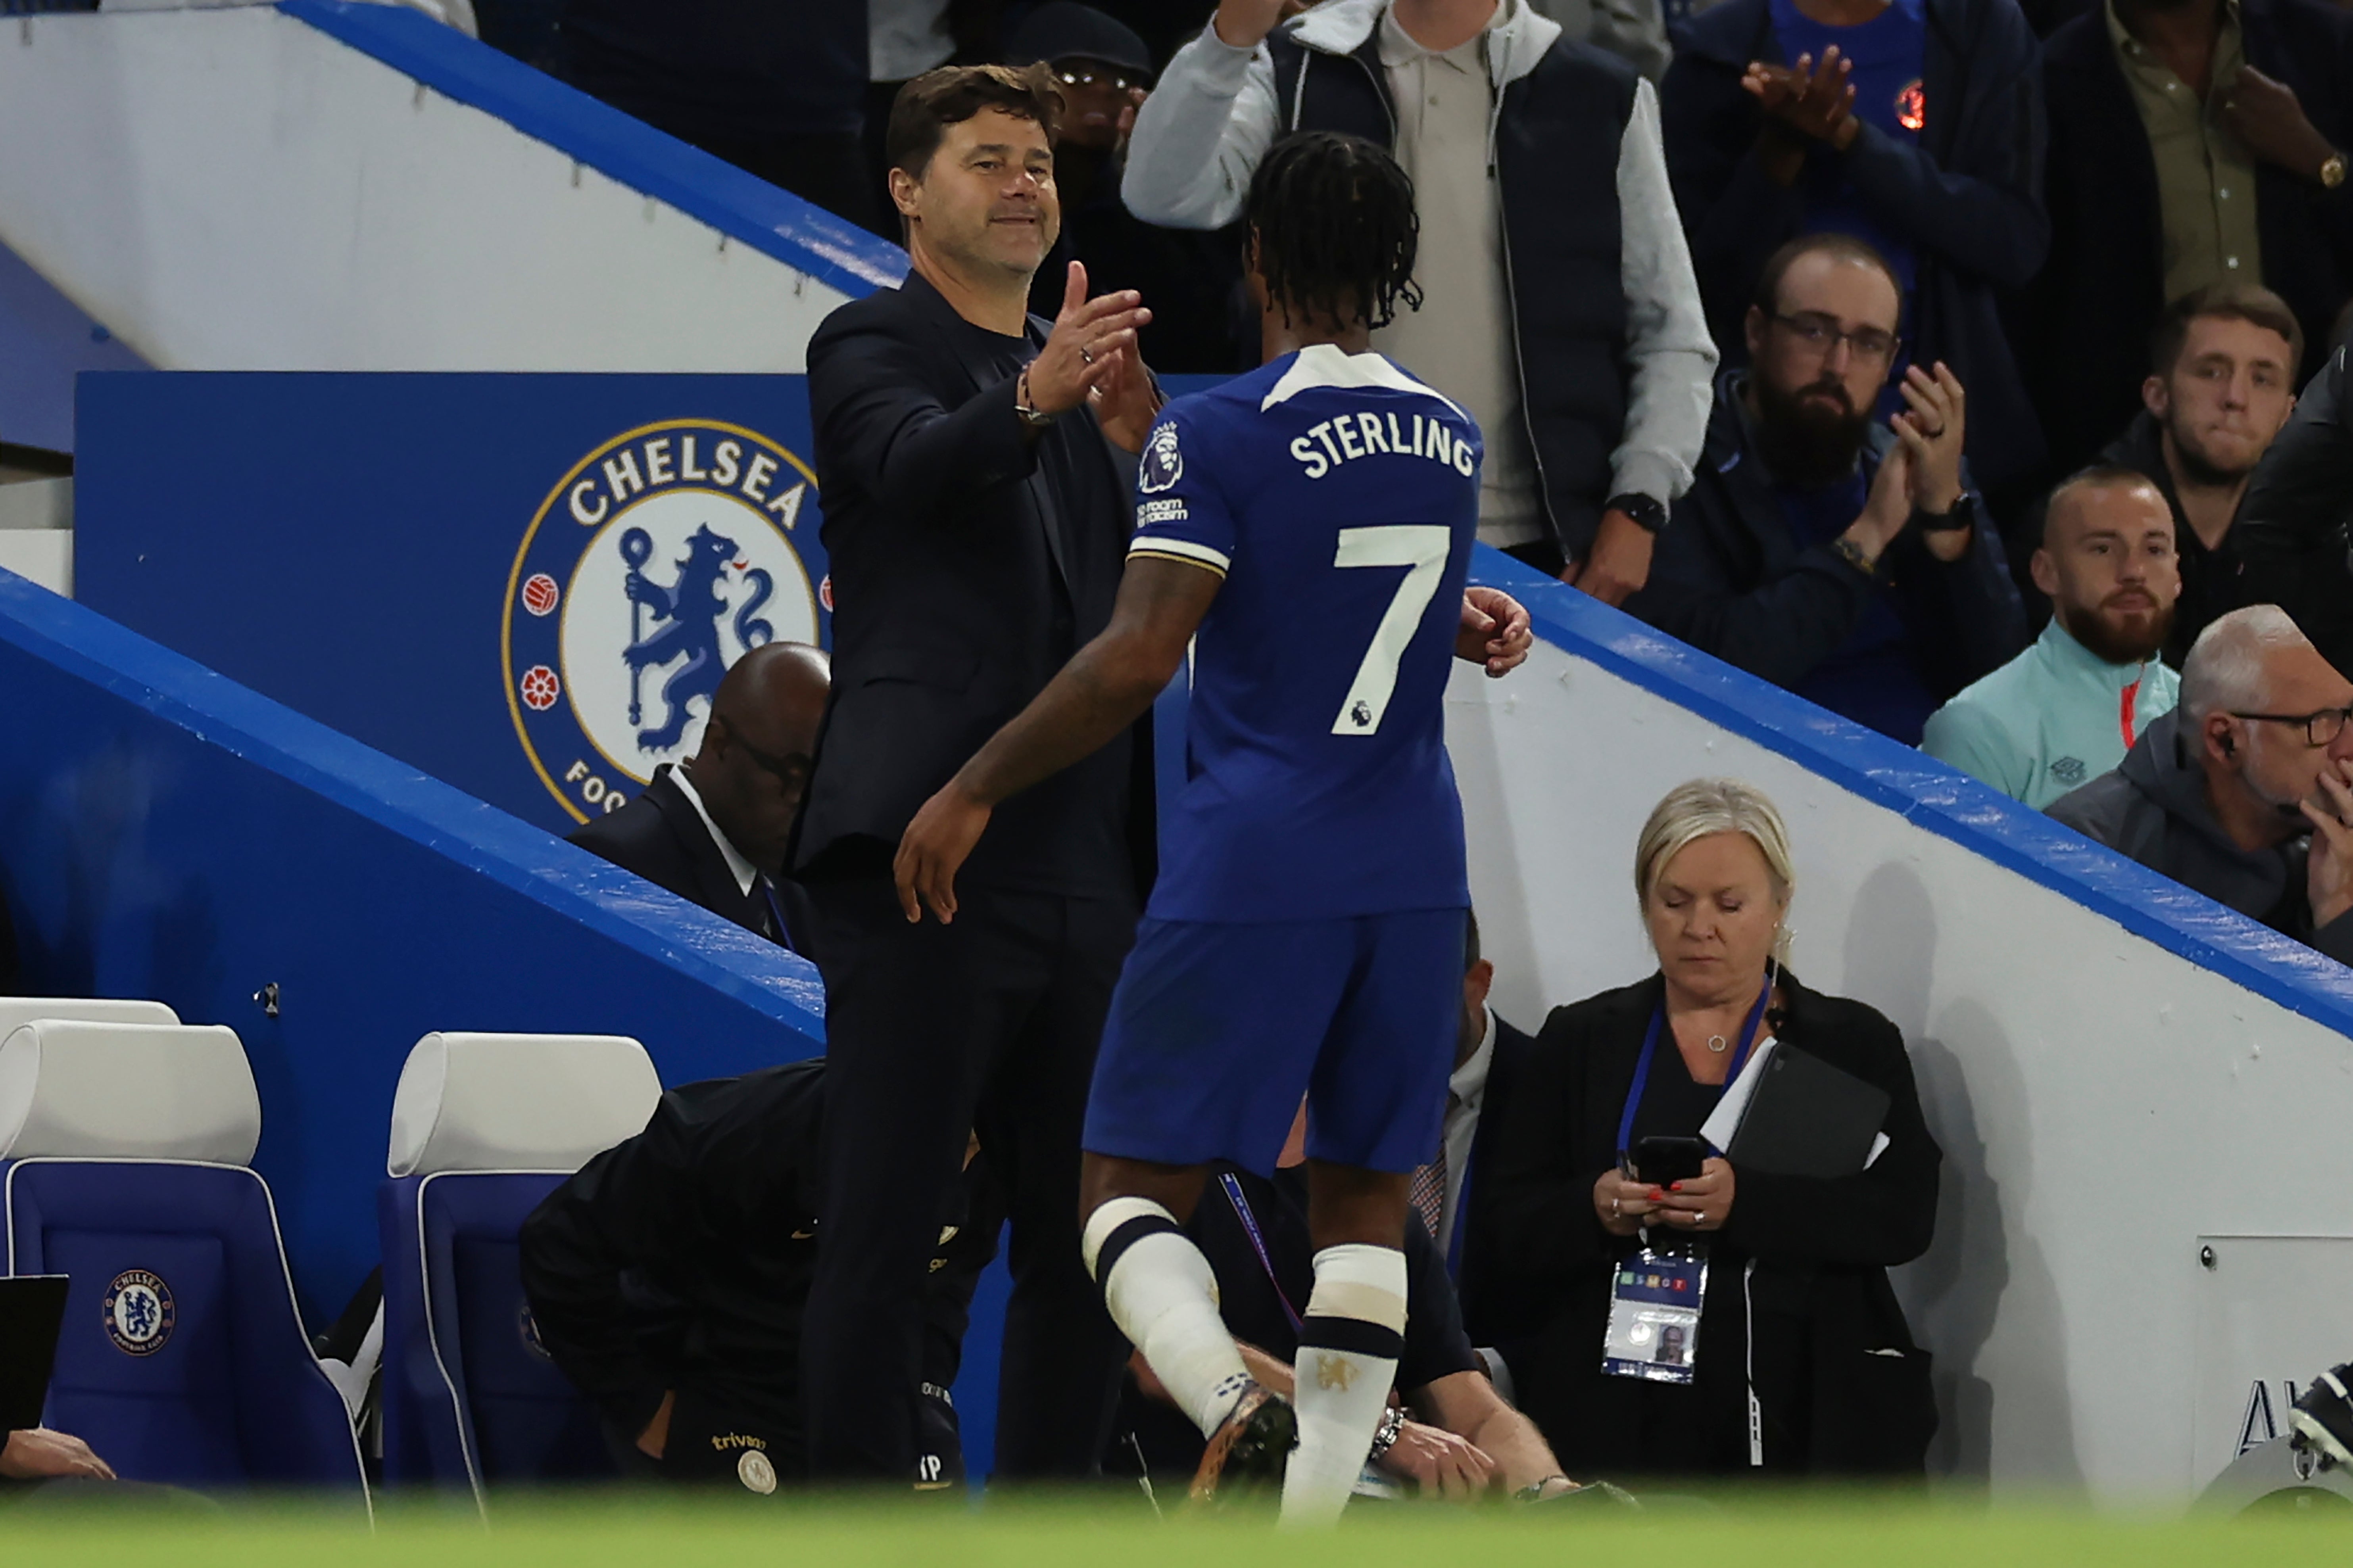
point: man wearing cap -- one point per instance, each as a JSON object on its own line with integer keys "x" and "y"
{"x": 1200, "y": 322}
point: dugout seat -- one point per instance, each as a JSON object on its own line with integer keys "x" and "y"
{"x": 124, "y": 1152}
{"x": 483, "y": 1128}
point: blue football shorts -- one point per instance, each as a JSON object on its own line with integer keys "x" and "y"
{"x": 1218, "y": 1029}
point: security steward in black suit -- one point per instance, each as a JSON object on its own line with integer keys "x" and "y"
{"x": 714, "y": 832}
{"x": 670, "y": 1279}
{"x": 977, "y": 464}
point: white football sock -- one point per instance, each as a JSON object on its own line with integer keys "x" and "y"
{"x": 1348, "y": 1348}
{"x": 1164, "y": 1296}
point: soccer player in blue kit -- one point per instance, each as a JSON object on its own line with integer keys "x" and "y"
{"x": 1306, "y": 529}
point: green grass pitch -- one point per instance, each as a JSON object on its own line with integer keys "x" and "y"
{"x": 641, "y": 1533}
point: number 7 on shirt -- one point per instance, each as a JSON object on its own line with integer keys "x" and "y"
{"x": 1421, "y": 548}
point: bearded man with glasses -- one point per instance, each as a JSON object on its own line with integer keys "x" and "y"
{"x": 2244, "y": 792}
{"x": 1840, "y": 558}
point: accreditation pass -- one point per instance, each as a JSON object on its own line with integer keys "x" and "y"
{"x": 1654, "y": 1306}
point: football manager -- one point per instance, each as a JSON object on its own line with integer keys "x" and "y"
{"x": 976, "y": 463}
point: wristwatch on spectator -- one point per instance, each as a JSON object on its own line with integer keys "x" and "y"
{"x": 1963, "y": 514}
{"x": 1649, "y": 511}
{"x": 2332, "y": 172}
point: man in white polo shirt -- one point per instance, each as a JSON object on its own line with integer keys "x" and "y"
{"x": 2067, "y": 709}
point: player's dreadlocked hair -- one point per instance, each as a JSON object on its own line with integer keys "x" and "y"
{"x": 1334, "y": 217}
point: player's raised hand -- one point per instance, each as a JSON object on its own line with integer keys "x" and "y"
{"x": 1078, "y": 353}
{"x": 1125, "y": 400}
{"x": 1495, "y": 631}
{"x": 934, "y": 849}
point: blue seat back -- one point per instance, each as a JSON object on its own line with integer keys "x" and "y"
{"x": 469, "y": 1396}
{"x": 183, "y": 1358}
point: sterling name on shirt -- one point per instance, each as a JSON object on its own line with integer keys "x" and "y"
{"x": 1334, "y": 441}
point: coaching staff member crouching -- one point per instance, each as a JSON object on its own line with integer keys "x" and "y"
{"x": 670, "y": 1276}
{"x": 977, "y": 468}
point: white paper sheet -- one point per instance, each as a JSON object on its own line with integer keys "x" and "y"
{"x": 1724, "y": 1122}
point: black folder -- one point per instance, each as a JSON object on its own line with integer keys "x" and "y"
{"x": 1807, "y": 1118}
{"x": 32, "y": 1309}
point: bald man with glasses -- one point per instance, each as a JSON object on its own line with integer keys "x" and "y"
{"x": 2244, "y": 792}
{"x": 1841, "y": 558}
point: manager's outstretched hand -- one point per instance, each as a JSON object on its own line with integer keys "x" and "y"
{"x": 934, "y": 849}
{"x": 1495, "y": 631}
{"x": 1086, "y": 346}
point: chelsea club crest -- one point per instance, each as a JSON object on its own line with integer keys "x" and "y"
{"x": 657, "y": 561}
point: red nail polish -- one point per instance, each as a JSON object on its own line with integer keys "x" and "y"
{"x": 1678, "y": 1187}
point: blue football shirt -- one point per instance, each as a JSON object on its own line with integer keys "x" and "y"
{"x": 1338, "y": 498}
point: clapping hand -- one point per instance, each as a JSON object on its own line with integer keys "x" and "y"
{"x": 1083, "y": 349}
{"x": 1933, "y": 431}
{"x": 1816, "y": 102}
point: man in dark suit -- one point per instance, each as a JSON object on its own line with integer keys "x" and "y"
{"x": 976, "y": 519}
{"x": 714, "y": 831}
{"x": 1488, "y": 1054}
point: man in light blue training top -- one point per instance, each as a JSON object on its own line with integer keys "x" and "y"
{"x": 1306, "y": 529}
{"x": 2068, "y": 709}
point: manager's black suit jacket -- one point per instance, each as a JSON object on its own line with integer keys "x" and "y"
{"x": 661, "y": 837}
{"x": 961, "y": 583}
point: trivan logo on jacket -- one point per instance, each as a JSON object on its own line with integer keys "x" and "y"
{"x": 652, "y": 565}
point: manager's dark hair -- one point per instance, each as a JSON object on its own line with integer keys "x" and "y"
{"x": 1332, "y": 218}
{"x": 1840, "y": 246}
{"x": 927, "y": 106}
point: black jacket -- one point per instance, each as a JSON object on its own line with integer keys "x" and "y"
{"x": 1556, "y": 144}
{"x": 2292, "y": 531}
{"x": 1968, "y": 195}
{"x": 1512, "y": 1053}
{"x": 2153, "y": 809}
{"x": 1729, "y": 579}
{"x": 969, "y": 562}
{"x": 682, "y": 1258}
{"x": 2084, "y": 333}
{"x": 1822, "y": 1251}
{"x": 661, "y": 838}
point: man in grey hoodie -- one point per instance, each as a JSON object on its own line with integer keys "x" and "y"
{"x": 2244, "y": 792}
{"x": 1557, "y": 305}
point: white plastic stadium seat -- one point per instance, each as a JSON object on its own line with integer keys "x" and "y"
{"x": 122, "y": 1164}
{"x": 483, "y": 1128}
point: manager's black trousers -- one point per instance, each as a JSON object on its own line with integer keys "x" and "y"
{"x": 932, "y": 1032}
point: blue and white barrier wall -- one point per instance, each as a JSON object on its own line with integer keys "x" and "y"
{"x": 166, "y": 833}
{"x": 2146, "y": 1242}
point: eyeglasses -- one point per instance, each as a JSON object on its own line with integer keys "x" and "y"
{"x": 1098, "y": 76}
{"x": 792, "y": 770}
{"x": 1823, "y": 335}
{"x": 2319, "y": 728}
